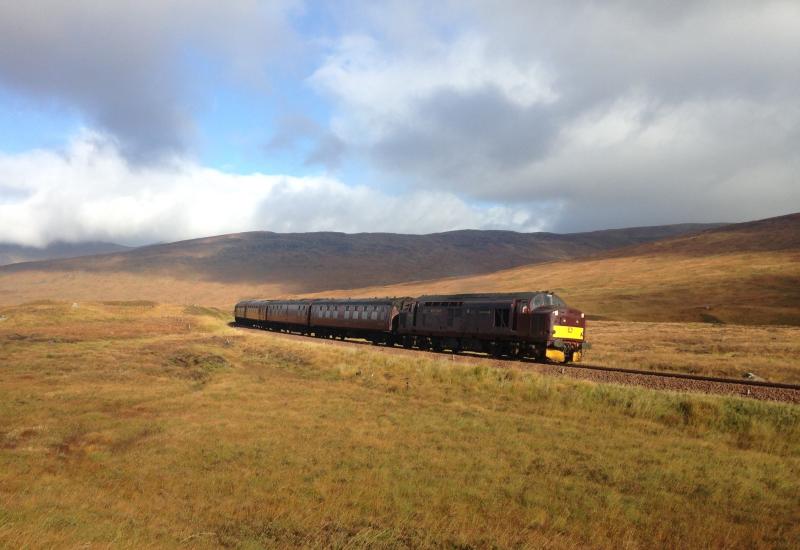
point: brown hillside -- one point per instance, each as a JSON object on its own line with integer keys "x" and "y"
{"x": 771, "y": 234}
{"x": 222, "y": 269}
{"x": 744, "y": 273}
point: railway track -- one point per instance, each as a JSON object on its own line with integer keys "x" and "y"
{"x": 686, "y": 376}
{"x": 669, "y": 381}
{"x": 674, "y": 381}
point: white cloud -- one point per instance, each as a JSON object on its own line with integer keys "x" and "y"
{"x": 380, "y": 88}
{"x": 91, "y": 192}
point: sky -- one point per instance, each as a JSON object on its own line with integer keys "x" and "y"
{"x": 158, "y": 120}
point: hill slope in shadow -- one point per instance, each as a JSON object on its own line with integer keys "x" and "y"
{"x": 307, "y": 262}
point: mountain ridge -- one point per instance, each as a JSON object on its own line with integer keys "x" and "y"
{"x": 305, "y": 262}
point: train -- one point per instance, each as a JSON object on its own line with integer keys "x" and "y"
{"x": 533, "y": 325}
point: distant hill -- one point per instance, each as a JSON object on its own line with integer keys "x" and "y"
{"x": 13, "y": 253}
{"x": 738, "y": 273}
{"x": 771, "y": 234}
{"x": 307, "y": 262}
{"x": 742, "y": 273}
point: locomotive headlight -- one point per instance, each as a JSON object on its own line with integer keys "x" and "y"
{"x": 581, "y": 315}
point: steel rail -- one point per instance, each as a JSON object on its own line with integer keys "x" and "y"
{"x": 668, "y": 374}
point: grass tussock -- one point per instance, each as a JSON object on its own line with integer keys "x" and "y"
{"x": 732, "y": 351}
{"x": 160, "y": 436}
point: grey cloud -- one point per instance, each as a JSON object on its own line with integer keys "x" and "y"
{"x": 664, "y": 111}
{"x": 328, "y": 151}
{"x": 291, "y": 130}
{"x": 462, "y": 137}
{"x": 124, "y": 65}
{"x": 298, "y": 131}
{"x": 674, "y": 49}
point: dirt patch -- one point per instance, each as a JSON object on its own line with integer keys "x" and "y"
{"x": 71, "y": 443}
{"x": 195, "y": 366}
{"x": 130, "y": 303}
{"x": 12, "y": 439}
{"x": 708, "y": 318}
{"x": 205, "y": 311}
{"x": 130, "y": 440}
{"x": 39, "y": 338}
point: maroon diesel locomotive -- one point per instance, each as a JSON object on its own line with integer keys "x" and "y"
{"x": 537, "y": 325}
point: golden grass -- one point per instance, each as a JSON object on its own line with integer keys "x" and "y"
{"x": 732, "y": 351}
{"x": 177, "y": 431}
{"x": 83, "y": 286}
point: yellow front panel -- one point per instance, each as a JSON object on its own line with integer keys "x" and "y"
{"x": 569, "y": 333}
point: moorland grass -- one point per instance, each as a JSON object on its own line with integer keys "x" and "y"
{"x": 162, "y": 426}
{"x": 733, "y": 351}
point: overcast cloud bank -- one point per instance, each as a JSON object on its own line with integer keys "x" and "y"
{"x": 517, "y": 114}
{"x": 626, "y": 112}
